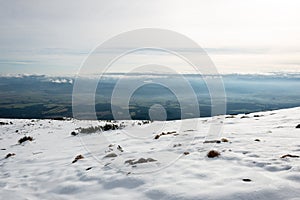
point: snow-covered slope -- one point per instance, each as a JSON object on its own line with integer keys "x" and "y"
{"x": 140, "y": 162}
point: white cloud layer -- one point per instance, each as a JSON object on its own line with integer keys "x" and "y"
{"x": 54, "y": 37}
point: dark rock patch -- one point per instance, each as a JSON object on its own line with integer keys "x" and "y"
{"x": 244, "y": 117}
{"x": 213, "y": 154}
{"x": 24, "y": 139}
{"x": 106, "y": 127}
{"x": 165, "y": 133}
{"x": 120, "y": 148}
{"x": 59, "y": 118}
{"x": 74, "y": 133}
{"x": 111, "y": 155}
{"x": 130, "y": 162}
{"x": 9, "y": 155}
{"x": 189, "y": 130}
{"x": 177, "y": 145}
{"x": 212, "y": 141}
{"x": 230, "y": 117}
{"x": 79, "y": 157}
{"x": 224, "y": 140}
{"x": 290, "y": 156}
{"x": 146, "y": 122}
{"x": 139, "y": 161}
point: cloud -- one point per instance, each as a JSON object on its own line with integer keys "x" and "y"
{"x": 61, "y": 81}
{"x": 55, "y": 36}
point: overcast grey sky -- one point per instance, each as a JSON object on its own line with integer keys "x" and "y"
{"x": 54, "y": 37}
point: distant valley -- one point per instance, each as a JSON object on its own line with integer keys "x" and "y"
{"x": 51, "y": 97}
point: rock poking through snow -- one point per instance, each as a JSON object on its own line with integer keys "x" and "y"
{"x": 79, "y": 157}
{"x": 24, "y": 139}
{"x": 213, "y": 154}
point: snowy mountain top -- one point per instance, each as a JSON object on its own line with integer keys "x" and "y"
{"x": 259, "y": 158}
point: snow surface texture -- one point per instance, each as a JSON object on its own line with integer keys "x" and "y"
{"x": 130, "y": 163}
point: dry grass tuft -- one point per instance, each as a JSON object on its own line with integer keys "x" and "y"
{"x": 224, "y": 140}
{"x": 165, "y": 133}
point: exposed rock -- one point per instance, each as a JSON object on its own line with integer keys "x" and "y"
{"x": 247, "y": 180}
{"x": 243, "y": 117}
{"x": 156, "y": 137}
{"x": 94, "y": 129}
{"x": 111, "y": 155}
{"x": 189, "y": 130}
{"x": 139, "y": 161}
{"x": 213, "y": 154}
{"x": 108, "y": 127}
{"x": 230, "y": 117}
{"x": 59, "y": 118}
{"x": 9, "y": 155}
{"x": 146, "y": 122}
{"x": 89, "y": 168}
{"x": 74, "y": 133}
{"x": 186, "y": 153}
{"x": 212, "y": 141}
{"x": 24, "y": 139}
{"x": 79, "y": 157}
{"x": 165, "y": 133}
{"x": 120, "y": 148}
{"x": 290, "y": 156}
{"x": 36, "y": 153}
{"x": 151, "y": 160}
{"x": 298, "y": 126}
{"x": 130, "y": 162}
{"x": 177, "y": 145}
{"x": 224, "y": 140}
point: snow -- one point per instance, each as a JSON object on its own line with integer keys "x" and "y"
{"x": 43, "y": 168}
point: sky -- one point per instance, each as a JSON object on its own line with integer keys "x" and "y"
{"x": 55, "y": 37}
